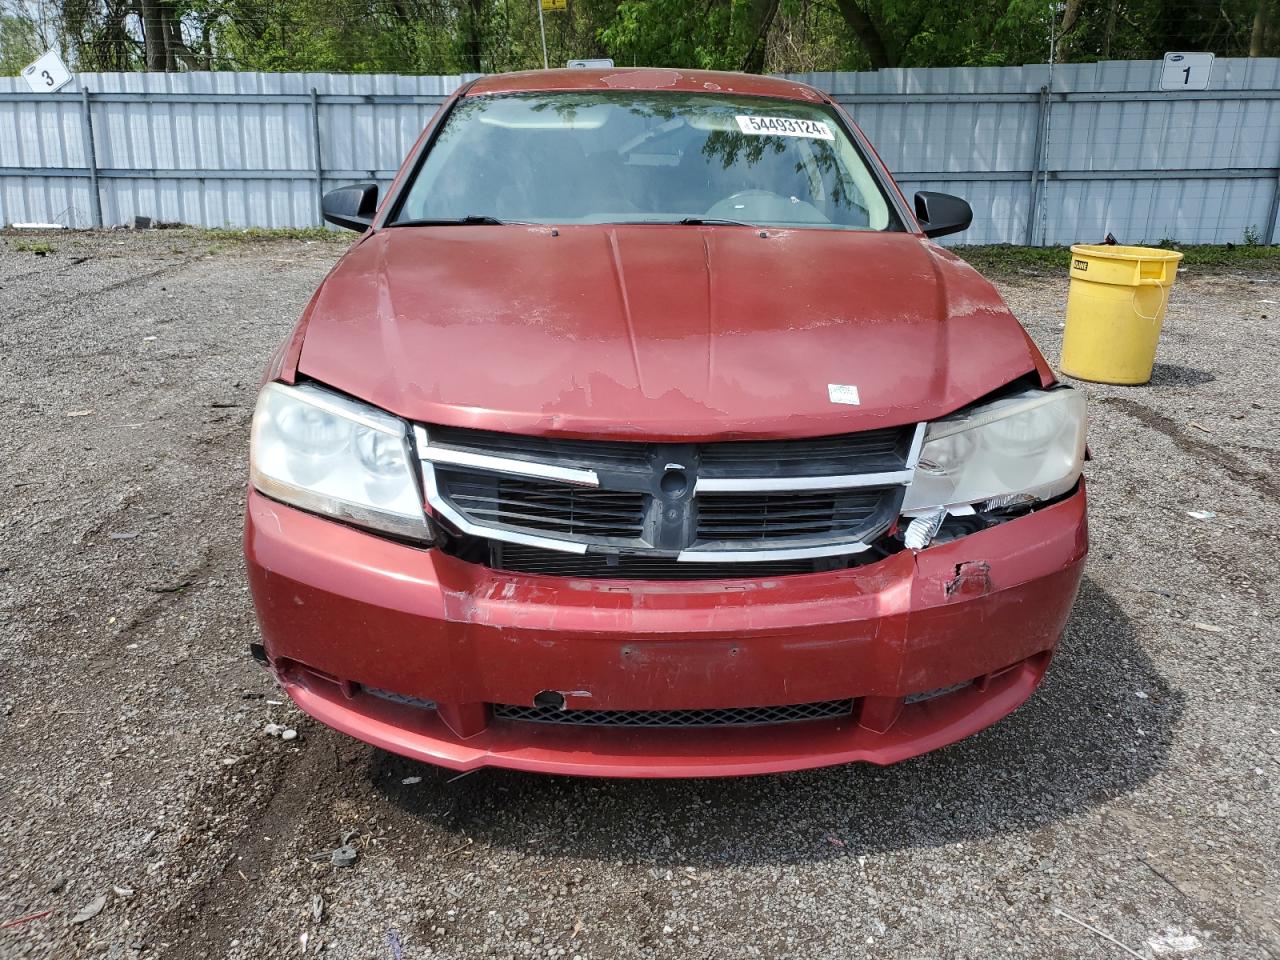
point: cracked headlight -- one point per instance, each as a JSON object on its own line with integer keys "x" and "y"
{"x": 1018, "y": 449}
{"x": 329, "y": 454}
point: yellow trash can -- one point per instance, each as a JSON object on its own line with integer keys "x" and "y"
{"x": 1115, "y": 309}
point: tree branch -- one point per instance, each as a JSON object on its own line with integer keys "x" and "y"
{"x": 868, "y": 33}
{"x": 753, "y": 62}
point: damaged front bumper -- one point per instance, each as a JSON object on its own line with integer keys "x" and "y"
{"x": 456, "y": 664}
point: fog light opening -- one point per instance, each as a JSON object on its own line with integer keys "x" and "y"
{"x": 549, "y": 699}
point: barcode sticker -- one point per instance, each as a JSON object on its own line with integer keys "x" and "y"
{"x": 785, "y": 127}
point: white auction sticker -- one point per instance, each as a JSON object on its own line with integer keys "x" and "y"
{"x": 785, "y": 127}
{"x": 843, "y": 393}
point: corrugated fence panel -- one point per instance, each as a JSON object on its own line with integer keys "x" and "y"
{"x": 36, "y": 134}
{"x": 1000, "y": 208}
{"x": 1209, "y": 210}
{"x": 367, "y": 141}
{"x": 247, "y": 139}
{"x": 1055, "y": 155}
{"x": 1119, "y": 155}
{"x": 970, "y": 131}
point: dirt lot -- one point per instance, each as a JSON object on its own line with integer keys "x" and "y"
{"x": 1137, "y": 792}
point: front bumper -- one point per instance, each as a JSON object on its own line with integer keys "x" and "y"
{"x": 344, "y": 612}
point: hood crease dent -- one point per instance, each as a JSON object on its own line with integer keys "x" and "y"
{"x": 711, "y": 311}
{"x": 389, "y": 331}
{"x": 620, "y": 278}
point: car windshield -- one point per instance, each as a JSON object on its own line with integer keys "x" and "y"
{"x": 627, "y": 157}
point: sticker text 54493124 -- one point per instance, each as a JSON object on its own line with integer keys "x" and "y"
{"x": 785, "y": 127}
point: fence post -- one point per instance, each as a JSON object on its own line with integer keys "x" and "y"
{"x": 90, "y": 156}
{"x": 315, "y": 144}
{"x": 1033, "y": 208}
{"x": 1273, "y": 218}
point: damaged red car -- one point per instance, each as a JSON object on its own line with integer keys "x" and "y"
{"x": 645, "y": 431}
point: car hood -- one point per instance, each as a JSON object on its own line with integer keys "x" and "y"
{"x": 660, "y": 332}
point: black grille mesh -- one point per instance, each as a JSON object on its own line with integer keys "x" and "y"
{"x": 588, "y": 453}
{"x": 865, "y": 452}
{"x": 547, "y": 507}
{"x": 724, "y": 717}
{"x": 775, "y": 516}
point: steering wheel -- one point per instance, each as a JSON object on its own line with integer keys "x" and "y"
{"x": 753, "y": 194}
{"x": 748, "y": 204}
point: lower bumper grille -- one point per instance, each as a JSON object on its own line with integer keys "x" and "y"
{"x": 400, "y": 698}
{"x": 516, "y": 558}
{"x": 725, "y": 717}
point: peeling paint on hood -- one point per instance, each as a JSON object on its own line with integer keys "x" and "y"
{"x": 659, "y": 331}
{"x": 642, "y": 79}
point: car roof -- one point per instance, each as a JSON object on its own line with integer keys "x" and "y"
{"x": 645, "y": 78}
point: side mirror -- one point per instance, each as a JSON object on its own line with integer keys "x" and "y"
{"x": 351, "y": 207}
{"x": 941, "y": 213}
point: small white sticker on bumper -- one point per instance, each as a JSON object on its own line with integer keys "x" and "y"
{"x": 843, "y": 393}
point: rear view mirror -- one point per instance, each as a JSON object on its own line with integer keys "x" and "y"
{"x": 941, "y": 213}
{"x": 352, "y": 207}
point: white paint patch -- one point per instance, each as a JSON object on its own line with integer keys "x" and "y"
{"x": 1172, "y": 940}
{"x": 843, "y": 393}
{"x": 784, "y": 127}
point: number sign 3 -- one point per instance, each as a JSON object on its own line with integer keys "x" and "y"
{"x": 47, "y": 74}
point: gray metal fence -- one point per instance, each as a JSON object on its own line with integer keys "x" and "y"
{"x": 1043, "y": 156}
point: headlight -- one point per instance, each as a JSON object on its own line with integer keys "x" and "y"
{"x": 329, "y": 454}
{"x": 1022, "y": 448}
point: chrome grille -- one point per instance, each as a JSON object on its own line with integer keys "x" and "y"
{"x": 723, "y": 717}
{"x": 736, "y": 502}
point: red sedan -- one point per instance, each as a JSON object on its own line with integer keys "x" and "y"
{"x": 646, "y": 432}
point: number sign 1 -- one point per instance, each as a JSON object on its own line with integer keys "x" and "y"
{"x": 1186, "y": 71}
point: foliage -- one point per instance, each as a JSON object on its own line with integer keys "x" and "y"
{"x": 470, "y": 36}
{"x": 676, "y": 33}
{"x": 40, "y": 248}
{"x": 1004, "y": 260}
{"x": 265, "y": 234}
{"x": 19, "y": 44}
{"x": 1146, "y": 29}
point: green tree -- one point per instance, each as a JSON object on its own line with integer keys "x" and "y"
{"x": 19, "y": 43}
{"x": 1147, "y": 29}
{"x": 718, "y": 35}
{"x": 474, "y": 36}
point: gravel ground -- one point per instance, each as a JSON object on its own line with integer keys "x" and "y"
{"x": 1136, "y": 792}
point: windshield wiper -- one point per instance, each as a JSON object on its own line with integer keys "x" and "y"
{"x": 687, "y": 222}
{"x": 714, "y": 221}
{"x": 469, "y": 220}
